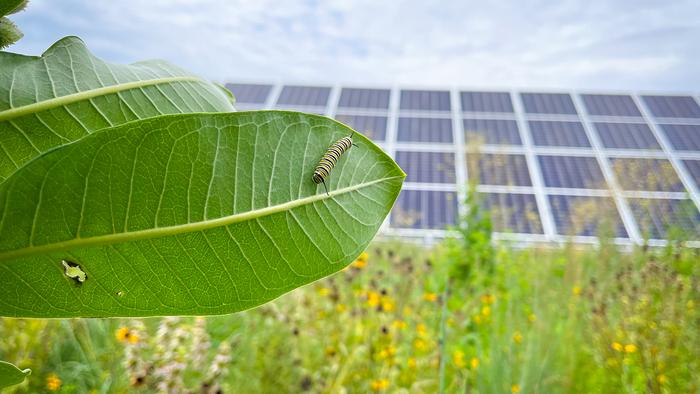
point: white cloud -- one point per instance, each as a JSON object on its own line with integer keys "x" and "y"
{"x": 595, "y": 44}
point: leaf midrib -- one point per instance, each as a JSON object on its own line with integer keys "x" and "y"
{"x": 182, "y": 228}
{"x": 88, "y": 94}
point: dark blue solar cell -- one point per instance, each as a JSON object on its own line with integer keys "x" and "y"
{"x": 486, "y": 102}
{"x": 626, "y": 136}
{"x": 555, "y": 133}
{"x": 646, "y": 175}
{"x": 248, "y": 93}
{"x": 588, "y": 216}
{"x": 492, "y": 131}
{"x": 683, "y": 137}
{"x": 548, "y": 103}
{"x": 693, "y": 168}
{"x": 656, "y": 217}
{"x": 373, "y": 127}
{"x": 304, "y": 95}
{"x": 424, "y": 130}
{"x": 424, "y": 209}
{"x": 513, "y": 213}
{"x": 425, "y": 100}
{"x": 610, "y": 105}
{"x": 672, "y": 106}
{"x": 364, "y": 98}
{"x": 499, "y": 169}
{"x": 572, "y": 172}
{"x": 429, "y": 167}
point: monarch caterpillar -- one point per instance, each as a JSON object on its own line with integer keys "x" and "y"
{"x": 327, "y": 162}
{"x": 73, "y": 271}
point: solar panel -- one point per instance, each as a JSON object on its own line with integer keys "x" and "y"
{"x": 499, "y": 169}
{"x": 513, "y": 213}
{"x": 610, "y": 105}
{"x": 364, "y": 98}
{"x": 373, "y": 127}
{"x": 672, "y": 106}
{"x": 424, "y": 130}
{"x": 646, "y": 175}
{"x": 693, "y": 167}
{"x": 423, "y": 209}
{"x": 555, "y": 133}
{"x": 571, "y": 172}
{"x": 586, "y": 215}
{"x": 486, "y": 102}
{"x": 491, "y": 131}
{"x": 626, "y": 136}
{"x": 248, "y": 93}
{"x": 657, "y": 217}
{"x": 548, "y": 103}
{"x": 430, "y": 167}
{"x": 683, "y": 137}
{"x": 304, "y": 95}
{"x": 425, "y": 100}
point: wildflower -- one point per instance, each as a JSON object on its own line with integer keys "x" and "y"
{"x": 123, "y": 334}
{"x": 515, "y": 389}
{"x": 363, "y": 256}
{"x": 477, "y": 319}
{"x": 486, "y": 311}
{"x": 430, "y": 297}
{"x": 399, "y": 324}
{"x": 617, "y": 346}
{"x": 133, "y": 338}
{"x": 373, "y": 298}
{"x": 630, "y": 348}
{"x": 488, "y": 298}
{"x": 422, "y": 330}
{"x": 412, "y": 363}
{"x": 359, "y": 264}
{"x": 387, "y": 304}
{"x": 323, "y": 291}
{"x": 576, "y": 290}
{"x": 531, "y": 317}
{"x": 420, "y": 344}
{"x": 380, "y": 384}
{"x": 458, "y": 359}
{"x": 517, "y": 337}
{"x": 662, "y": 379}
{"x": 340, "y": 308}
{"x": 53, "y": 382}
{"x": 474, "y": 363}
{"x": 387, "y": 352}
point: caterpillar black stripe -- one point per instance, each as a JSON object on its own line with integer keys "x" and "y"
{"x": 329, "y": 159}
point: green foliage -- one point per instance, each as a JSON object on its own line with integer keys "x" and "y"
{"x": 187, "y": 215}
{"x": 9, "y": 32}
{"x": 67, "y": 93}
{"x": 10, "y": 375}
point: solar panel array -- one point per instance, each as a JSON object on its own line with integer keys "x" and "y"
{"x": 550, "y": 166}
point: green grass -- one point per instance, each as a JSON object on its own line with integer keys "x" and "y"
{"x": 541, "y": 320}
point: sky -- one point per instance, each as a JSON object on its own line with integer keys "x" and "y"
{"x": 596, "y": 44}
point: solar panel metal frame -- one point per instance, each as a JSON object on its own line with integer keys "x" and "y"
{"x": 597, "y": 150}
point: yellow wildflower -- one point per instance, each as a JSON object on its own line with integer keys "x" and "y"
{"x": 359, "y": 264}
{"x": 474, "y": 363}
{"x": 488, "y": 298}
{"x": 53, "y": 382}
{"x": 617, "y": 346}
{"x": 420, "y": 344}
{"x": 422, "y": 330}
{"x": 133, "y": 338}
{"x": 363, "y": 256}
{"x": 662, "y": 379}
{"x": 515, "y": 389}
{"x": 477, "y": 319}
{"x": 323, "y": 291}
{"x": 340, "y": 308}
{"x": 430, "y": 297}
{"x": 387, "y": 352}
{"x": 412, "y": 363}
{"x": 399, "y": 324}
{"x": 517, "y": 337}
{"x": 486, "y": 311}
{"x": 576, "y": 290}
{"x": 630, "y": 348}
{"x": 458, "y": 359}
{"x": 387, "y": 304}
{"x": 122, "y": 334}
{"x": 373, "y": 298}
{"x": 380, "y": 384}
{"x": 531, "y": 317}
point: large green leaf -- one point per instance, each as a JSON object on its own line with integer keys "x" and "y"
{"x": 67, "y": 93}
{"x": 11, "y": 375}
{"x": 187, "y": 215}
